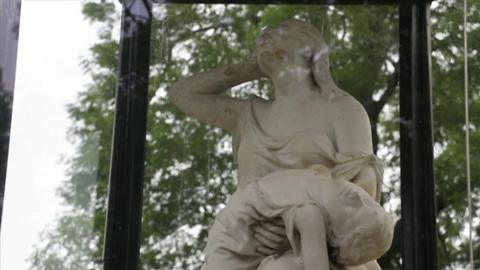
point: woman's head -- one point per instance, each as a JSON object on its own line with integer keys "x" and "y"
{"x": 294, "y": 44}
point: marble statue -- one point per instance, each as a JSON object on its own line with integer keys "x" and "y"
{"x": 308, "y": 181}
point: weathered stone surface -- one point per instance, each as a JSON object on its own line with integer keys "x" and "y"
{"x": 309, "y": 182}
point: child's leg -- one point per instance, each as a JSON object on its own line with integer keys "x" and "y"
{"x": 310, "y": 223}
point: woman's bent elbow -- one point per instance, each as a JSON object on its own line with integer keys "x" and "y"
{"x": 367, "y": 180}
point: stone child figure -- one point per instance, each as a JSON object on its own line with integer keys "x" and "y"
{"x": 310, "y": 122}
{"x": 327, "y": 214}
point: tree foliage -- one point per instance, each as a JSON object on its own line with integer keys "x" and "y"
{"x": 190, "y": 171}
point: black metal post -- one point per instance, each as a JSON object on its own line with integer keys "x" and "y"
{"x": 123, "y": 229}
{"x": 9, "y": 27}
{"x": 417, "y": 175}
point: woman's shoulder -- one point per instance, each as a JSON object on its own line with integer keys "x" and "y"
{"x": 349, "y": 106}
{"x": 346, "y": 98}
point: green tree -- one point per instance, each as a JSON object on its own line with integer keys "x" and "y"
{"x": 189, "y": 166}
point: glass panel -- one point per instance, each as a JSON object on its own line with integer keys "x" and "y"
{"x": 190, "y": 169}
{"x": 449, "y": 130}
{"x": 60, "y": 141}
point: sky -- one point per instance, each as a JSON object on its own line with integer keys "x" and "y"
{"x": 53, "y": 38}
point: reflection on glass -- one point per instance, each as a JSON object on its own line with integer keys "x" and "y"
{"x": 60, "y": 142}
{"x": 449, "y": 130}
{"x": 190, "y": 170}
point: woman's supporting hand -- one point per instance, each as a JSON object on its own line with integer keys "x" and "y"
{"x": 271, "y": 236}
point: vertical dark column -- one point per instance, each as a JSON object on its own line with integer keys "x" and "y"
{"x": 123, "y": 229}
{"x": 417, "y": 176}
{"x": 9, "y": 27}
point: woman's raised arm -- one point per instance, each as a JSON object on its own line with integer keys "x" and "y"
{"x": 200, "y": 96}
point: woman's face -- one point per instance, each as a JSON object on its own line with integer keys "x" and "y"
{"x": 279, "y": 49}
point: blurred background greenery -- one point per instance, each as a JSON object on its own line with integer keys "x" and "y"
{"x": 189, "y": 168}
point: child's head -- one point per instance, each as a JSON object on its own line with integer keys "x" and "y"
{"x": 361, "y": 230}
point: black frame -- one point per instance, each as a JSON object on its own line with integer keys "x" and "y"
{"x": 123, "y": 229}
{"x": 124, "y": 212}
{"x": 9, "y": 30}
{"x": 418, "y": 201}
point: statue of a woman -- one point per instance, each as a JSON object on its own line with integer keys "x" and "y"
{"x": 310, "y": 123}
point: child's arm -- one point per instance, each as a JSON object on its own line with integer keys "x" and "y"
{"x": 310, "y": 223}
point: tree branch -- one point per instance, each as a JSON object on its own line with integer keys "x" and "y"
{"x": 392, "y": 85}
{"x": 188, "y": 34}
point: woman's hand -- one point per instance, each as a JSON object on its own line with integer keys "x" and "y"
{"x": 252, "y": 67}
{"x": 248, "y": 69}
{"x": 271, "y": 236}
